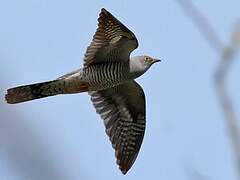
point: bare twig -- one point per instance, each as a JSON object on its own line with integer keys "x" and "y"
{"x": 202, "y": 24}
{"x": 226, "y": 54}
{"x": 193, "y": 172}
{"x": 236, "y": 35}
{"x": 222, "y": 70}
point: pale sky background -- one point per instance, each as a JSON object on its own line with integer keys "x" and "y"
{"x": 43, "y": 39}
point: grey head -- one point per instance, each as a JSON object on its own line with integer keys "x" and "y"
{"x": 140, "y": 64}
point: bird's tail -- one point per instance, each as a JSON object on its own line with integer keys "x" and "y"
{"x": 33, "y": 91}
{"x": 44, "y": 89}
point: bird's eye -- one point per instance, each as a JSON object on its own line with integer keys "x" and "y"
{"x": 148, "y": 59}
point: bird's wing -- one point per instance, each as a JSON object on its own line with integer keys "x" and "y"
{"x": 112, "y": 41}
{"x": 123, "y": 110}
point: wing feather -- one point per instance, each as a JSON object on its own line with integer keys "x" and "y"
{"x": 112, "y": 41}
{"x": 123, "y": 110}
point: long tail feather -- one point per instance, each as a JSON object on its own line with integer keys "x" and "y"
{"x": 33, "y": 91}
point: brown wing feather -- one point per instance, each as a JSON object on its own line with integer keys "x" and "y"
{"x": 123, "y": 111}
{"x": 112, "y": 41}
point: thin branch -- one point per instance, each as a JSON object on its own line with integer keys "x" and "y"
{"x": 226, "y": 102}
{"x": 202, "y": 24}
{"x": 199, "y": 176}
{"x": 227, "y": 54}
{"x": 193, "y": 173}
{"x": 236, "y": 34}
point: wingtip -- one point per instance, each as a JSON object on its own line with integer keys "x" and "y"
{"x": 104, "y": 11}
{"x": 124, "y": 169}
{"x": 124, "y": 172}
{"x": 103, "y": 15}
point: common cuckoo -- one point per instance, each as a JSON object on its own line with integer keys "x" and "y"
{"x": 108, "y": 76}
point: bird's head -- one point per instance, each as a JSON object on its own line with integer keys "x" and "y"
{"x": 140, "y": 64}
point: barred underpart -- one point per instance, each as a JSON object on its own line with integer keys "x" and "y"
{"x": 106, "y": 75}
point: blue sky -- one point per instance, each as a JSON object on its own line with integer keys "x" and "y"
{"x": 41, "y": 40}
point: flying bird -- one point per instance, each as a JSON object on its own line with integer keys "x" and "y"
{"x": 107, "y": 75}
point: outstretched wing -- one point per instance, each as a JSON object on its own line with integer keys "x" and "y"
{"x": 112, "y": 41}
{"x": 123, "y": 110}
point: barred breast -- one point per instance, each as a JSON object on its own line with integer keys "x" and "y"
{"x": 106, "y": 75}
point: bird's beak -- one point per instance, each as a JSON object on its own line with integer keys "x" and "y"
{"x": 156, "y": 60}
